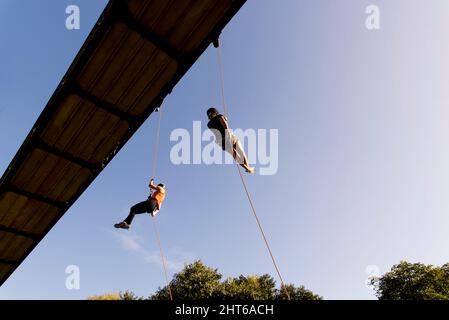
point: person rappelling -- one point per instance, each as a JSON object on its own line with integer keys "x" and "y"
{"x": 152, "y": 205}
{"x": 218, "y": 124}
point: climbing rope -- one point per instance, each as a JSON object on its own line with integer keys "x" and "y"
{"x": 156, "y": 145}
{"x": 156, "y": 229}
{"x": 225, "y": 108}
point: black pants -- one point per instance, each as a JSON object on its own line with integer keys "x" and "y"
{"x": 146, "y": 206}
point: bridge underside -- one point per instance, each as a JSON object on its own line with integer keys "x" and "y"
{"x": 134, "y": 56}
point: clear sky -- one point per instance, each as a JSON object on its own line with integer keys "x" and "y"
{"x": 363, "y": 150}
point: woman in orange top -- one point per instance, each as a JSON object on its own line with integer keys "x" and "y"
{"x": 152, "y": 205}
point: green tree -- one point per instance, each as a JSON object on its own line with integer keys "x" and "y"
{"x": 413, "y": 281}
{"x": 107, "y": 296}
{"x": 295, "y": 293}
{"x": 248, "y": 288}
{"x": 127, "y": 295}
{"x": 198, "y": 281}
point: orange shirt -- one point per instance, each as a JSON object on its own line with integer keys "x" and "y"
{"x": 159, "y": 196}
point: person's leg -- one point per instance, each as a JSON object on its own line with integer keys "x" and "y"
{"x": 141, "y": 207}
{"x": 240, "y": 156}
{"x": 234, "y": 147}
{"x": 152, "y": 207}
{"x": 230, "y": 147}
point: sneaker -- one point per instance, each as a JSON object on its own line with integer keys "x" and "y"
{"x": 122, "y": 225}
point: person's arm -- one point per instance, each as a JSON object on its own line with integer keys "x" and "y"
{"x": 224, "y": 122}
{"x": 155, "y": 187}
{"x": 152, "y": 185}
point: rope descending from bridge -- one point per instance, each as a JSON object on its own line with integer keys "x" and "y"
{"x": 156, "y": 229}
{"x": 225, "y": 108}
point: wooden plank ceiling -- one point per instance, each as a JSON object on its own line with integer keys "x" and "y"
{"x": 132, "y": 59}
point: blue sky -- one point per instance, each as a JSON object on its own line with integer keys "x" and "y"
{"x": 363, "y": 175}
